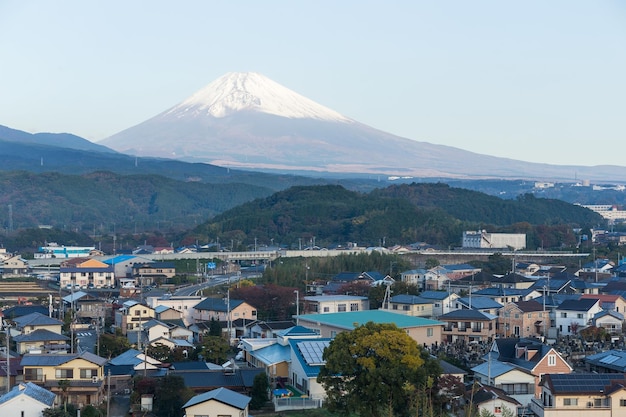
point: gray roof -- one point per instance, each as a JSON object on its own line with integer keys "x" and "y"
{"x": 36, "y": 319}
{"x": 59, "y": 359}
{"x": 223, "y": 395}
{"x": 217, "y": 304}
{"x": 38, "y": 335}
{"x": 31, "y": 390}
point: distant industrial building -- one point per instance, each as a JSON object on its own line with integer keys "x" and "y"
{"x": 483, "y": 240}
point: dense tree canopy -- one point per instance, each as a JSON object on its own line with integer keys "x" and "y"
{"x": 374, "y": 371}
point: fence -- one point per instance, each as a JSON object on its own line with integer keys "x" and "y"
{"x": 296, "y": 403}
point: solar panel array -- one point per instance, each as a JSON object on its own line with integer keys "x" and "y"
{"x": 566, "y": 383}
{"x": 312, "y": 352}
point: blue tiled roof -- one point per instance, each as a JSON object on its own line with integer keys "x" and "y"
{"x": 31, "y": 390}
{"x": 223, "y": 395}
{"x": 410, "y": 299}
{"x": 611, "y": 359}
{"x": 435, "y": 295}
{"x": 480, "y": 302}
{"x": 127, "y": 358}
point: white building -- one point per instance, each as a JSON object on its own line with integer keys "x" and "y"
{"x": 482, "y": 239}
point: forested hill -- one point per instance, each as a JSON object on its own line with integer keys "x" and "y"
{"x": 473, "y": 206}
{"x": 398, "y": 214}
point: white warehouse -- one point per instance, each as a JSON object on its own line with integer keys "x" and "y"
{"x": 482, "y": 239}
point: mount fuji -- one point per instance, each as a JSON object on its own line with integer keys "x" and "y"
{"x": 246, "y": 120}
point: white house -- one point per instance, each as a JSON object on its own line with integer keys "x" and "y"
{"x": 218, "y": 402}
{"x": 26, "y": 400}
{"x": 574, "y": 315}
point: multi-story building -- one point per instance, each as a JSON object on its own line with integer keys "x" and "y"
{"x": 335, "y": 304}
{"x": 593, "y": 395}
{"x": 132, "y": 316}
{"x": 523, "y": 319}
{"x": 83, "y": 372}
{"x": 88, "y": 274}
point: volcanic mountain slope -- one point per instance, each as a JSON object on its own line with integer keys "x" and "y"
{"x": 246, "y": 120}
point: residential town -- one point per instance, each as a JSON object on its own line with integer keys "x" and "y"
{"x": 542, "y": 340}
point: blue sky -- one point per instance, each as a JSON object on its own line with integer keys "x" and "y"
{"x": 541, "y": 81}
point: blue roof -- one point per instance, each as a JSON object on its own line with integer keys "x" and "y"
{"x": 119, "y": 259}
{"x": 297, "y": 331}
{"x": 611, "y": 359}
{"x": 480, "y": 302}
{"x": 458, "y": 267}
{"x": 495, "y": 369}
{"x": 223, "y": 395}
{"x": 435, "y": 295}
{"x": 31, "y": 390}
{"x": 348, "y": 320}
{"x": 127, "y": 358}
{"x": 410, "y": 299}
{"x": 273, "y": 354}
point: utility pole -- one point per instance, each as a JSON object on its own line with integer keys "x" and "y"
{"x": 109, "y": 393}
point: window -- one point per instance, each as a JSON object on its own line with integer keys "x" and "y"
{"x": 354, "y": 306}
{"x": 88, "y": 373}
{"x": 406, "y": 308}
{"x": 33, "y": 374}
{"x": 63, "y": 373}
{"x": 622, "y": 402}
{"x": 326, "y": 309}
{"x": 394, "y": 306}
{"x": 497, "y": 410}
{"x": 437, "y": 305}
{"x": 570, "y": 401}
{"x": 579, "y": 315}
{"x": 564, "y": 315}
{"x": 341, "y": 307}
{"x": 530, "y": 315}
{"x": 551, "y": 360}
{"x": 429, "y": 332}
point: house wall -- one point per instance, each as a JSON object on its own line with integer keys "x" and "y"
{"x": 183, "y": 304}
{"x": 243, "y": 311}
{"x": 415, "y": 310}
{"x": 544, "y": 367}
{"x": 512, "y": 317}
{"x": 158, "y": 331}
{"x": 563, "y": 324}
{"x": 493, "y": 406}
{"x": 54, "y": 328}
{"x": 299, "y": 379}
{"x": 214, "y": 408}
{"x": 22, "y": 406}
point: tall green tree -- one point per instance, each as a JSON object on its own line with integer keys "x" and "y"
{"x": 214, "y": 349}
{"x": 367, "y": 370}
{"x": 259, "y": 391}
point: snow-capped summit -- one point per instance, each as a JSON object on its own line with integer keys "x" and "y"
{"x": 245, "y": 120}
{"x": 250, "y": 91}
